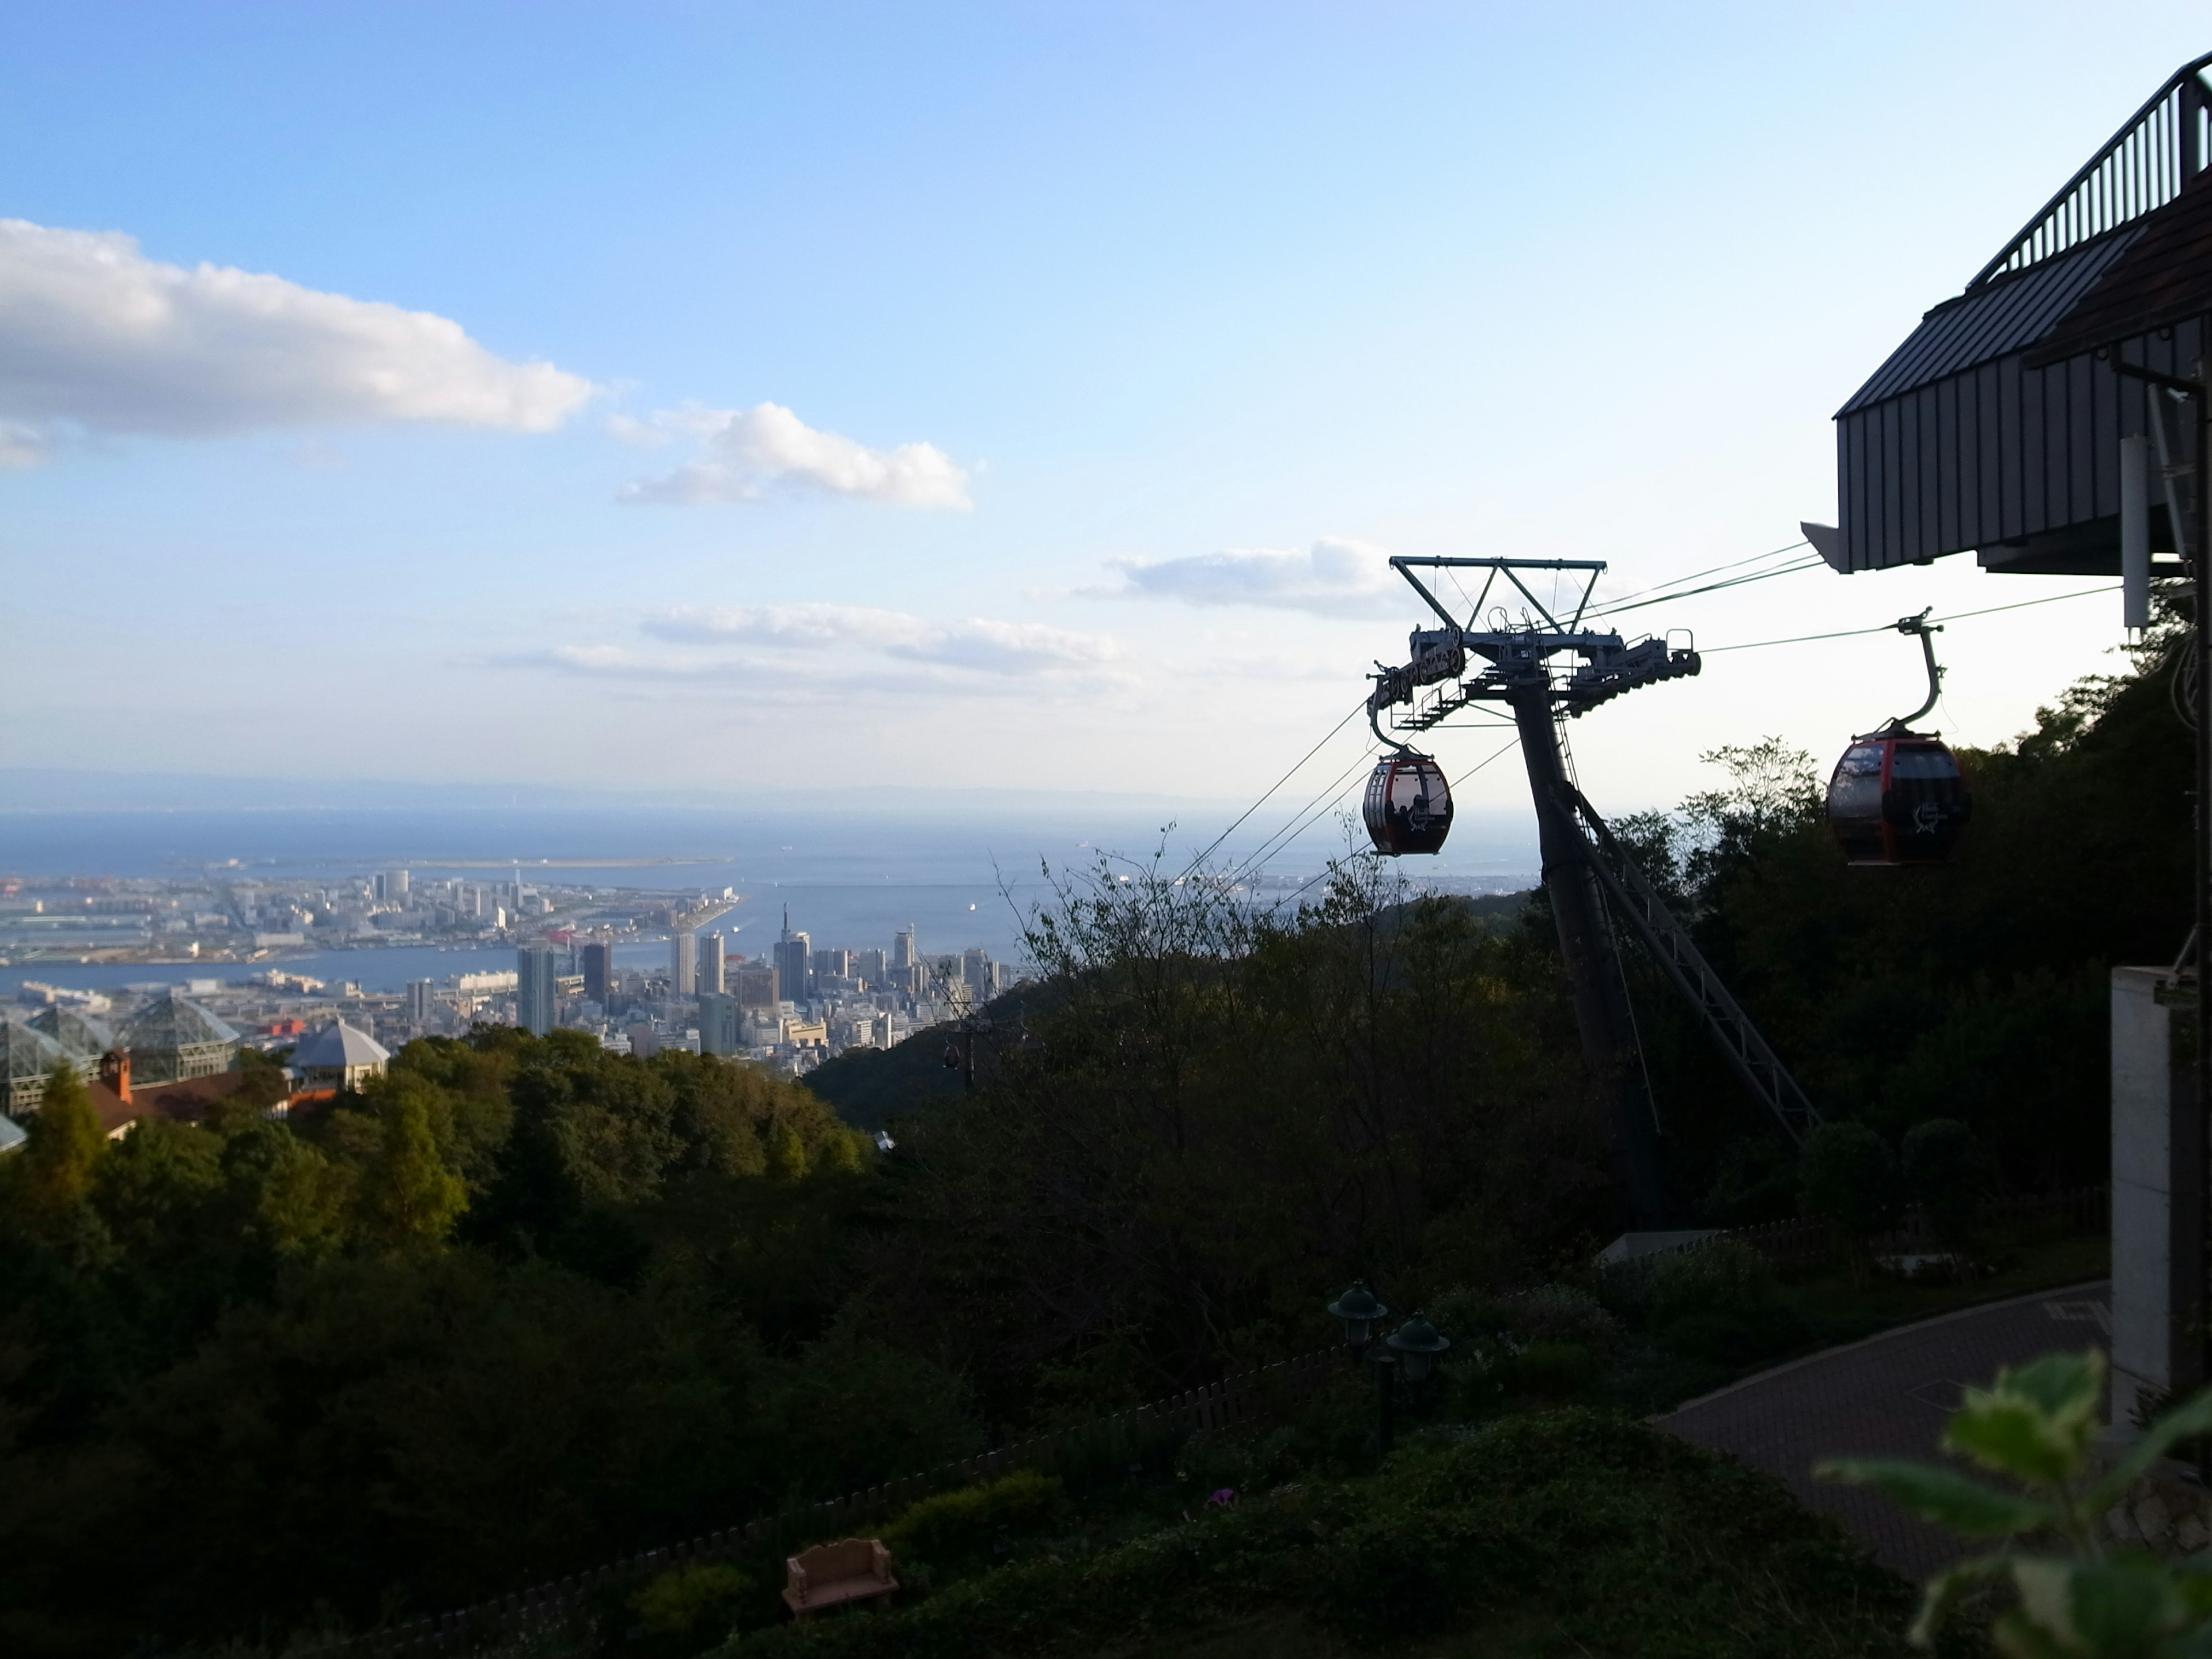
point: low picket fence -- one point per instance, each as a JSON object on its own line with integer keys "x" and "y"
{"x": 1808, "y": 1241}
{"x": 1249, "y": 1399}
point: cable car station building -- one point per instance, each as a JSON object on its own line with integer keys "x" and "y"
{"x": 2052, "y": 420}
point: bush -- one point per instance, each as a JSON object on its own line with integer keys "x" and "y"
{"x": 957, "y": 1533}
{"x": 687, "y": 1608}
{"x": 1943, "y": 1175}
{"x": 1619, "y": 1539}
{"x": 1846, "y": 1175}
{"x": 1551, "y": 1371}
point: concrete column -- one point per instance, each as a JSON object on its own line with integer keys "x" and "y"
{"x": 2158, "y": 1203}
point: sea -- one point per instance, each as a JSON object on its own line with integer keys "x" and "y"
{"x": 849, "y": 876}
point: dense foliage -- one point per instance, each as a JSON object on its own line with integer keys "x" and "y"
{"x": 1975, "y": 991}
{"x": 1571, "y": 1533}
{"x": 520, "y": 1305}
{"x": 516, "y": 1306}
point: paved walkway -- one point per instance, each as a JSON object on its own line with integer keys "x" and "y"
{"x": 1886, "y": 1396}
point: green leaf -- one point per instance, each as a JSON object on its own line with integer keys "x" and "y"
{"x": 1947, "y": 1587}
{"x": 2125, "y": 1603}
{"x": 2191, "y": 1416}
{"x": 2011, "y": 1436}
{"x": 2060, "y": 1385}
{"x": 1944, "y": 1496}
{"x": 2036, "y": 1422}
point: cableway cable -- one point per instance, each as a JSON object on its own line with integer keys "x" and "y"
{"x": 1349, "y": 717}
{"x": 1815, "y": 563}
{"x": 1891, "y": 628}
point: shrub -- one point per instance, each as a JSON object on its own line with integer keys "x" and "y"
{"x": 1943, "y": 1175}
{"x": 1552, "y": 1369}
{"x": 686, "y": 1606}
{"x": 1561, "y": 1313}
{"x": 955, "y": 1533}
{"x": 1846, "y": 1175}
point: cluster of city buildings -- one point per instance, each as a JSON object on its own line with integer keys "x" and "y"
{"x": 791, "y": 1009}
{"x": 172, "y": 1048}
{"x": 226, "y": 915}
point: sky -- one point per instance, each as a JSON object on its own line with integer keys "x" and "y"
{"x": 730, "y": 398}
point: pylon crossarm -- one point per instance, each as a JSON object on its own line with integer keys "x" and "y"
{"x": 1672, "y": 947}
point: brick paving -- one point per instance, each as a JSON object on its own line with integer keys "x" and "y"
{"x": 1886, "y": 1396}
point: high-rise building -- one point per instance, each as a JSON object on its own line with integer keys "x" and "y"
{"x": 683, "y": 964}
{"x": 720, "y": 1025}
{"x": 599, "y": 968}
{"x": 793, "y": 954}
{"x": 533, "y": 988}
{"x": 754, "y": 985}
{"x": 419, "y": 1001}
{"x": 711, "y": 970}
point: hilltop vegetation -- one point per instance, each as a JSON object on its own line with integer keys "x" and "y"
{"x": 522, "y": 1305}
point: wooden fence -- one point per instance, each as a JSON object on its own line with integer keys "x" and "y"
{"x": 1248, "y": 1399}
{"x": 1808, "y": 1241}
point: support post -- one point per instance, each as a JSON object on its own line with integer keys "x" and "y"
{"x": 1592, "y": 961}
{"x": 2201, "y": 1049}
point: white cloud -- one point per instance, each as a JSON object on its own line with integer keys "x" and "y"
{"x": 983, "y": 644}
{"x": 21, "y": 445}
{"x": 1334, "y": 577}
{"x": 93, "y": 333}
{"x": 746, "y": 453}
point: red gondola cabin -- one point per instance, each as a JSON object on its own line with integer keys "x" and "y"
{"x": 1897, "y": 797}
{"x": 1408, "y": 807}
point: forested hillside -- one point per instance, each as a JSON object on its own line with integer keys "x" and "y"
{"x": 522, "y": 1305}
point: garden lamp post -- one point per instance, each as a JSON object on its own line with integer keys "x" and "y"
{"x": 1419, "y": 1345}
{"x": 1360, "y": 1313}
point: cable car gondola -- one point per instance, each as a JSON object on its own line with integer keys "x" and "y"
{"x": 1408, "y": 807}
{"x": 1897, "y": 797}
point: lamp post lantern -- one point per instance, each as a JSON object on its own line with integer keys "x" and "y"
{"x": 1419, "y": 1345}
{"x": 1412, "y": 1351}
{"x": 1360, "y": 1313}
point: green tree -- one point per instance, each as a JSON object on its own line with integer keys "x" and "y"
{"x": 408, "y": 1198}
{"x": 289, "y": 1197}
{"x": 2036, "y": 1426}
{"x": 841, "y": 1152}
{"x": 786, "y": 1153}
{"x": 1943, "y": 1169}
{"x": 65, "y": 1145}
{"x": 1845, "y": 1175}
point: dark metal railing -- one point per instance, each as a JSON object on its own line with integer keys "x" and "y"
{"x": 2141, "y": 167}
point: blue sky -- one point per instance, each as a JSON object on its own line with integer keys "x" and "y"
{"x": 961, "y": 396}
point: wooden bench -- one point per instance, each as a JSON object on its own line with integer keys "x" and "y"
{"x": 829, "y": 1575}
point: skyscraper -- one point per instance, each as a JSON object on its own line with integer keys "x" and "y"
{"x": 683, "y": 951}
{"x": 791, "y": 953}
{"x": 711, "y": 972}
{"x": 754, "y": 984}
{"x": 598, "y": 966}
{"x": 719, "y": 1032}
{"x": 533, "y": 990}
